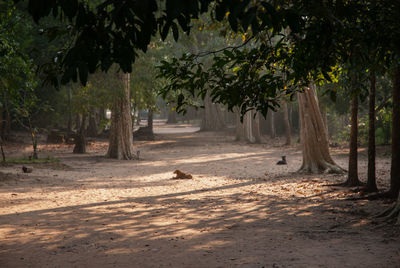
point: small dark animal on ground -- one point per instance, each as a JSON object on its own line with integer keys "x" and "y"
{"x": 181, "y": 175}
{"x": 27, "y": 169}
{"x": 283, "y": 161}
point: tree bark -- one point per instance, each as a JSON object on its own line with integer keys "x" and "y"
{"x": 92, "y": 127}
{"x": 315, "y": 146}
{"x": 150, "y": 119}
{"x": 239, "y": 126}
{"x": 324, "y": 118}
{"x": 352, "y": 179}
{"x": 101, "y": 116}
{"x": 256, "y": 126}
{"x": 1, "y": 122}
{"x": 77, "y": 122}
{"x": 248, "y": 127}
{"x": 212, "y": 119}
{"x": 80, "y": 140}
{"x": 272, "y": 124}
{"x": 371, "y": 180}
{"x": 121, "y": 136}
{"x": 3, "y": 155}
{"x": 395, "y": 165}
{"x": 287, "y": 123}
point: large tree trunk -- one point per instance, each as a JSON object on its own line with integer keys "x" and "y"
{"x": 352, "y": 179}
{"x": 324, "y": 118}
{"x": 248, "y": 127}
{"x": 287, "y": 123}
{"x": 394, "y": 211}
{"x": 272, "y": 124}
{"x": 150, "y": 119}
{"x": 239, "y": 127}
{"x": 101, "y": 116}
{"x": 80, "y": 138}
{"x": 77, "y": 122}
{"x": 212, "y": 119}
{"x": 371, "y": 180}
{"x": 121, "y": 137}
{"x": 1, "y": 122}
{"x": 395, "y": 165}
{"x": 244, "y": 130}
{"x": 92, "y": 127}
{"x": 315, "y": 146}
{"x": 145, "y": 133}
{"x": 256, "y": 126}
{"x": 3, "y": 155}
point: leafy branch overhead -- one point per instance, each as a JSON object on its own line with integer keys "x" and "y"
{"x": 112, "y": 31}
{"x": 250, "y": 78}
{"x": 319, "y": 35}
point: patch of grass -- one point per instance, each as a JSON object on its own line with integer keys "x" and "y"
{"x": 25, "y": 160}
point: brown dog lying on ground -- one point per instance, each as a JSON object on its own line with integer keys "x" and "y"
{"x": 181, "y": 175}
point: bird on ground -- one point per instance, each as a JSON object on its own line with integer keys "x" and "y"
{"x": 27, "y": 169}
{"x": 283, "y": 161}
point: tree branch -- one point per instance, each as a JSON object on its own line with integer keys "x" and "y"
{"x": 206, "y": 53}
{"x": 382, "y": 105}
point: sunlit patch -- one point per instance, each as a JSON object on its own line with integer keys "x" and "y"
{"x": 117, "y": 251}
{"x": 216, "y": 157}
{"x": 211, "y": 244}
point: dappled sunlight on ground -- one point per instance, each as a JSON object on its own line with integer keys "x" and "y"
{"x": 240, "y": 209}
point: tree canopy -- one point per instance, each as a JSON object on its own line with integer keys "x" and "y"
{"x": 302, "y": 39}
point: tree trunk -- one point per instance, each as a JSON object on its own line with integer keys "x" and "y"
{"x": 239, "y": 126}
{"x": 3, "y": 155}
{"x": 80, "y": 139}
{"x": 212, "y": 119}
{"x": 371, "y": 180}
{"x": 396, "y": 210}
{"x": 395, "y": 165}
{"x": 272, "y": 124}
{"x": 392, "y": 212}
{"x": 121, "y": 136}
{"x": 324, "y": 118}
{"x": 69, "y": 126}
{"x": 287, "y": 123}
{"x": 7, "y": 124}
{"x": 34, "y": 140}
{"x": 315, "y": 146}
{"x": 248, "y": 127}
{"x": 77, "y": 122}
{"x": 101, "y": 116}
{"x": 92, "y": 127}
{"x": 1, "y": 122}
{"x": 256, "y": 126}
{"x": 387, "y": 132}
{"x": 352, "y": 179}
{"x": 150, "y": 120}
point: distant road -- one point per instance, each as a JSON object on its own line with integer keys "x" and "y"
{"x": 175, "y": 129}
{"x": 161, "y": 127}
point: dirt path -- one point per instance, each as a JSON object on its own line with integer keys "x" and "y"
{"x": 240, "y": 210}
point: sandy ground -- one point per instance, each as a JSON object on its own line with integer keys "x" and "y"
{"x": 239, "y": 210}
